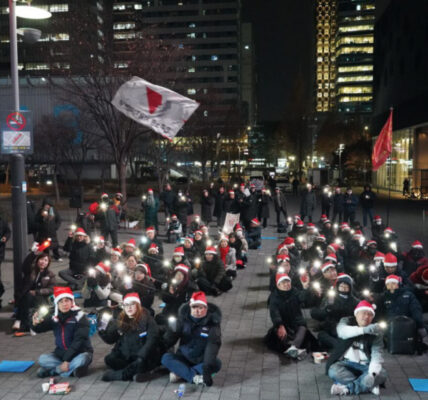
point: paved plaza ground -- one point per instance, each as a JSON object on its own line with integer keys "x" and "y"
{"x": 250, "y": 371}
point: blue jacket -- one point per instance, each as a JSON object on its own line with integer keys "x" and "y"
{"x": 350, "y": 202}
{"x": 200, "y": 341}
{"x": 71, "y": 331}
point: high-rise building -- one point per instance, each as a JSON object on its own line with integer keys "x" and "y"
{"x": 325, "y": 55}
{"x": 354, "y": 56}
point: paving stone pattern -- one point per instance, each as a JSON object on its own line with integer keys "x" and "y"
{"x": 250, "y": 371}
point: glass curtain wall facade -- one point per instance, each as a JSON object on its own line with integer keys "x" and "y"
{"x": 325, "y": 55}
{"x": 354, "y": 55}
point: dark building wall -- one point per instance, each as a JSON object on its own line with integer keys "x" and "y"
{"x": 401, "y": 64}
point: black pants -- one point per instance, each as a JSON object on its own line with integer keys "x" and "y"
{"x": 339, "y": 213}
{"x": 210, "y": 288}
{"x": 349, "y": 216}
{"x": 327, "y": 341}
{"x": 113, "y": 234}
{"x": 296, "y": 339}
{"x": 325, "y": 210}
{"x": 278, "y": 215}
{"x": 254, "y": 243}
{"x": 25, "y": 304}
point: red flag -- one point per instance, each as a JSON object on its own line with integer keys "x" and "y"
{"x": 383, "y": 146}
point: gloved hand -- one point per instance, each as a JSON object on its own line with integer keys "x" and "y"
{"x": 375, "y": 368}
{"x": 208, "y": 380}
{"x": 373, "y": 329}
{"x": 91, "y": 281}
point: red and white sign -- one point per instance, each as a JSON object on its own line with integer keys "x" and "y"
{"x": 154, "y": 106}
{"x": 16, "y": 121}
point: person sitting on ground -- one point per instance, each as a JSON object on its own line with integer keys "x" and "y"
{"x": 240, "y": 234}
{"x": 174, "y": 229}
{"x": 97, "y": 287}
{"x": 227, "y": 255}
{"x": 154, "y": 260}
{"x": 73, "y": 352}
{"x": 102, "y": 253}
{"x": 211, "y": 276}
{"x": 38, "y": 284}
{"x": 129, "y": 248}
{"x": 236, "y": 243}
{"x": 81, "y": 255}
{"x": 355, "y": 364}
{"x": 336, "y": 304}
{"x": 199, "y": 244}
{"x": 398, "y": 301}
{"x": 414, "y": 258}
{"x": 149, "y": 239}
{"x": 176, "y": 292}
{"x": 198, "y": 329}
{"x": 289, "y": 327}
{"x": 135, "y": 336}
{"x": 254, "y": 234}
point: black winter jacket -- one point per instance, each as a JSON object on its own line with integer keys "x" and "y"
{"x": 284, "y": 308}
{"x": 81, "y": 255}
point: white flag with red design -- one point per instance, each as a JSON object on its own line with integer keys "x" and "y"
{"x": 154, "y": 106}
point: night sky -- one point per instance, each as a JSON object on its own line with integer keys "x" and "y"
{"x": 284, "y": 39}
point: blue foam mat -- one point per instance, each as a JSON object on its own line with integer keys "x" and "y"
{"x": 15, "y": 366}
{"x": 269, "y": 238}
{"x": 419, "y": 385}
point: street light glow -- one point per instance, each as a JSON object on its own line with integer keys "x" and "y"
{"x": 29, "y": 12}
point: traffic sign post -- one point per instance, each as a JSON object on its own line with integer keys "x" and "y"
{"x": 16, "y": 132}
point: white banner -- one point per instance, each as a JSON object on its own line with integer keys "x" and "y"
{"x": 154, "y": 106}
{"x": 230, "y": 221}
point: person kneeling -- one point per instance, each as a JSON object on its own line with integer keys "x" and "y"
{"x": 355, "y": 365}
{"x": 135, "y": 338}
{"x": 73, "y": 352}
{"x": 199, "y": 331}
{"x": 289, "y": 327}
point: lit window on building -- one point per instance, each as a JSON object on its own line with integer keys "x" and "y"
{"x": 121, "y": 65}
{"x": 354, "y": 50}
{"x": 191, "y": 35}
{"x": 124, "y": 35}
{"x": 191, "y": 69}
{"x": 119, "y": 7}
{"x": 138, "y": 6}
{"x": 356, "y": 28}
{"x": 355, "y": 89}
{"x": 356, "y": 40}
{"x": 123, "y": 25}
{"x": 347, "y": 99}
{"x": 356, "y": 68}
{"x": 57, "y": 8}
{"x": 59, "y": 37}
{"x": 214, "y": 58}
{"x": 205, "y": 113}
{"x": 358, "y": 78}
{"x": 36, "y": 66}
{"x": 191, "y": 91}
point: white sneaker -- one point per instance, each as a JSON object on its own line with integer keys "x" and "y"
{"x": 32, "y": 333}
{"x": 292, "y": 351}
{"x": 339, "y": 390}
{"x": 173, "y": 378}
{"x": 198, "y": 380}
{"x": 301, "y": 354}
{"x": 16, "y": 325}
{"x": 376, "y": 390}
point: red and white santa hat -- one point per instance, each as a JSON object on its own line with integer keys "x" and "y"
{"x": 297, "y": 216}
{"x": 150, "y": 229}
{"x": 104, "y": 195}
{"x": 323, "y": 217}
{"x": 231, "y": 191}
{"x": 417, "y": 245}
{"x": 393, "y": 278}
{"x": 101, "y": 239}
{"x": 282, "y": 258}
{"x": 238, "y": 228}
{"x": 188, "y": 239}
{"x": 289, "y": 241}
{"x": 149, "y": 190}
{"x": 223, "y": 238}
{"x": 327, "y": 265}
{"x": 242, "y": 185}
{"x": 345, "y": 226}
{"x": 282, "y": 248}
{"x": 282, "y": 277}
{"x": 390, "y": 260}
{"x": 364, "y": 306}
{"x": 119, "y": 195}
{"x": 344, "y": 278}
{"x": 377, "y": 218}
{"x": 320, "y": 238}
{"x": 154, "y": 248}
{"x": 178, "y": 251}
{"x": 80, "y": 231}
{"x": 357, "y": 234}
{"x": 93, "y": 208}
{"x": 327, "y": 221}
{"x": 130, "y": 298}
{"x": 145, "y": 268}
{"x": 198, "y": 298}
{"x": 131, "y": 243}
{"x": 252, "y": 185}
{"x": 372, "y": 243}
{"x": 183, "y": 268}
{"x": 379, "y": 256}
{"x": 199, "y": 232}
{"x": 116, "y": 251}
{"x": 310, "y": 225}
{"x": 255, "y": 221}
{"x": 388, "y": 230}
{"x": 173, "y": 216}
{"x": 103, "y": 268}
{"x": 333, "y": 247}
{"x": 331, "y": 257}
{"x": 300, "y": 223}
{"x": 424, "y": 275}
{"x": 210, "y": 250}
{"x": 61, "y": 292}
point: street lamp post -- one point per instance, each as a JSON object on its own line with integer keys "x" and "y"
{"x": 340, "y": 151}
{"x": 17, "y": 161}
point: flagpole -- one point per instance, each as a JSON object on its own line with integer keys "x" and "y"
{"x": 389, "y": 183}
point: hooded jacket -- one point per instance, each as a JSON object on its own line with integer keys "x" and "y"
{"x": 213, "y": 270}
{"x": 200, "y": 340}
{"x": 81, "y": 255}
